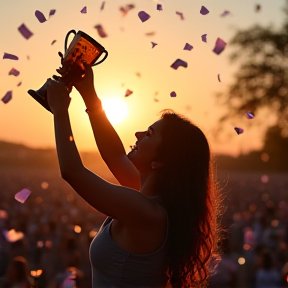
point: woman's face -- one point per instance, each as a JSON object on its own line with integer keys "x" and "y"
{"x": 144, "y": 151}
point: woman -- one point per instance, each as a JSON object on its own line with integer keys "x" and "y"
{"x": 162, "y": 222}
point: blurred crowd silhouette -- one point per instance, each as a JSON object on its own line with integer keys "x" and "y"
{"x": 54, "y": 227}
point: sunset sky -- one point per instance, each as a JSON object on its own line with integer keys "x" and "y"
{"x": 23, "y": 120}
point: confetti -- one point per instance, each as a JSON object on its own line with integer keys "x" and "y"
{"x": 22, "y": 195}
{"x": 100, "y": 31}
{"x": 188, "y": 47}
{"x": 180, "y": 14}
{"x": 40, "y": 16}
{"x": 177, "y": 63}
{"x": 204, "y": 10}
{"x": 250, "y": 115}
{"x": 130, "y": 6}
{"x": 219, "y": 46}
{"x": 225, "y": 13}
{"x": 219, "y": 77}
{"x": 127, "y": 8}
{"x": 52, "y": 12}
{"x": 159, "y": 7}
{"x": 173, "y": 94}
{"x": 13, "y": 235}
{"x": 128, "y": 93}
{"x": 14, "y": 72}
{"x": 102, "y": 5}
{"x": 257, "y": 7}
{"x": 10, "y": 56}
{"x": 204, "y": 38}
{"x": 143, "y": 16}
{"x": 153, "y": 44}
{"x": 54, "y": 41}
{"x": 84, "y": 10}
{"x": 7, "y": 97}
{"x": 123, "y": 10}
{"x": 239, "y": 130}
{"x": 150, "y": 33}
{"x": 26, "y": 33}
{"x": 19, "y": 84}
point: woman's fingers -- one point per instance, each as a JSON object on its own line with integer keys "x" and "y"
{"x": 55, "y": 77}
{"x": 61, "y": 56}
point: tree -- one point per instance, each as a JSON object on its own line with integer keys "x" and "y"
{"x": 262, "y": 78}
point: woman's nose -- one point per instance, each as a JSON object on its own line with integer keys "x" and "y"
{"x": 138, "y": 134}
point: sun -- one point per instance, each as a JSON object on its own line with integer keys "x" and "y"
{"x": 115, "y": 109}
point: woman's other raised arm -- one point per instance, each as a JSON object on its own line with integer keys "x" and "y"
{"x": 108, "y": 141}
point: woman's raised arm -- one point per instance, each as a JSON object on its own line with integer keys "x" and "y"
{"x": 108, "y": 141}
{"x": 122, "y": 203}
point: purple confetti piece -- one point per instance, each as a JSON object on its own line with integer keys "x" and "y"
{"x": 204, "y": 38}
{"x": 7, "y": 97}
{"x": 22, "y": 195}
{"x": 188, "y": 47}
{"x": 159, "y": 7}
{"x": 179, "y": 63}
{"x": 100, "y": 31}
{"x": 219, "y": 46}
{"x": 40, "y": 16}
{"x": 10, "y": 56}
{"x": 123, "y": 10}
{"x": 52, "y": 12}
{"x": 219, "y": 79}
{"x": 130, "y": 7}
{"x": 26, "y": 33}
{"x": 14, "y": 72}
{"x": 180, "y": 14}
{"x": 153, "y": 44}
{"x": 173, "y": 94}
{"x": 239, "y": 130}
{"x": 150, "y": 33}
{"x": 204, "y": 10}
{"x": 53, "y": 42}
{"x": 102, "y": 5}
{"x": 257, "y": 7}
{"x": 19, "y": 84}
{"x": 128, "y": 93}
{"x": 143, "y": 16}
{"x": 250, "y": 115}
{"x": 225, "y": 13}
{"x": 84, "y": 10}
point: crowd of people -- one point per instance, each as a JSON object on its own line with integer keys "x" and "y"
{"x": 51, "y": 232}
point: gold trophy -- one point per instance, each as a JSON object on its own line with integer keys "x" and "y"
{"x": 83, "y": 48}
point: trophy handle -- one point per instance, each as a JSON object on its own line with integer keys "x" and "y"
{"x": 66, "y": 38}
{"x": 106, "y": 54}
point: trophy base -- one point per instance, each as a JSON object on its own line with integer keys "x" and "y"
{"x": 40, "y": 99}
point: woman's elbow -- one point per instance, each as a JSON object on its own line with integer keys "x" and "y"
{"x": 68, "y": 175}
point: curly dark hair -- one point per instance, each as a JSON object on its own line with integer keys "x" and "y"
{"x": 188, "y": 191}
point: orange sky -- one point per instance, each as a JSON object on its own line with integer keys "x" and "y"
{"x": 23, "y": 120}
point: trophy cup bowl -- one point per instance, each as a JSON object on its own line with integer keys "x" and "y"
{"x": 83, "y": 48}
